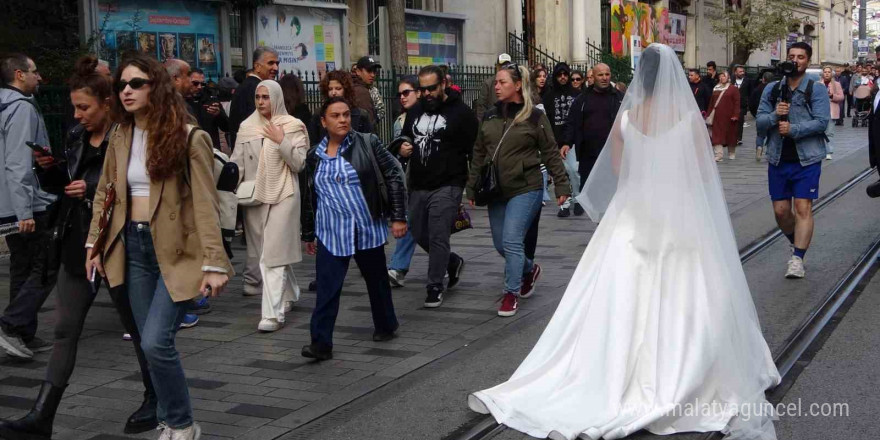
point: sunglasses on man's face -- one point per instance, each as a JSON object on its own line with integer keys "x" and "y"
{"x": 135, "y": 84}
{"x": 430, "y": 88}
{"x": 199, "y": 84}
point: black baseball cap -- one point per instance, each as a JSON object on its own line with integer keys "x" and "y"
{"x": 368, "y": 63}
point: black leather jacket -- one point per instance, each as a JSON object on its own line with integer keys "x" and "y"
{"x": 71, "y": 225}
{"x": 388, "y": 204}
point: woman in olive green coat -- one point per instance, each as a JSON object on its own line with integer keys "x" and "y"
{"x": 523, "y": 137}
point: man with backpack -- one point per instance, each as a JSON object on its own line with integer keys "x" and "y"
{"x": 23, "y": 202}
{"x": 590, "y": 120}
{"x": 793, "y": 116}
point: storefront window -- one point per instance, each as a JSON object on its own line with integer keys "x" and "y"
{"x": 163, "y": 29}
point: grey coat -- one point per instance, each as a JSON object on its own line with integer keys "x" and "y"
{"x": 20, "y": 121}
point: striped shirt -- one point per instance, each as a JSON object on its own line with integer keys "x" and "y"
{"x": 343, "y": 215}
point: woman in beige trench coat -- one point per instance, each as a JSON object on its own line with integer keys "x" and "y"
{"x": 270, "y": 150}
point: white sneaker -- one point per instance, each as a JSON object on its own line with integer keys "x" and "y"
{"x": 828, "y": 156}
{"x": 759, "y": 153}
{"x": 269, "y": 325}
{"x": 288, "y": 306}
{"x": 193, "y": 432}
{"x": 14, "y": 346}
{"x": 719, "y": 159}
{"x": 746, "y": 125}
{"x": 731, "y": 156}
{"x": 164, "y": 431}
{"x": 795, "y": 267}
{"x": 397, "y": 278}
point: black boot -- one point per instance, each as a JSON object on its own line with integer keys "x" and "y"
{"x": 144, "y": 419}
{"x": 37, "y": 424}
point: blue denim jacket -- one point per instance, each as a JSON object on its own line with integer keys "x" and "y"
{"x": 807, "y": 128}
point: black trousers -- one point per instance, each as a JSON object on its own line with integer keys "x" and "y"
{"x": 739, "y": 124}
{"x": 74, "y": 299}
{"x": 331, "y": 271}
{"x": 31, "y": 279}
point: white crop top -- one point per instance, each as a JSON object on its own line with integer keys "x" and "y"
{"x": 138, "y": 180}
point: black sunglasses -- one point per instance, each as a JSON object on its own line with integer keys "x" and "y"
{"x": 514, "y": 70}
{"x": 199, "y": 84}
{"x": 576, "y": 78}
{"x": 430, "y": 88}
{"x": 405, "y": 93}
{"x": 135, "y": 84}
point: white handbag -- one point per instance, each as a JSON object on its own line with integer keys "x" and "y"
{"x": 246, "y": 193}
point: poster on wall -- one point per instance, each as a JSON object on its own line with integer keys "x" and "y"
{"x": 162, "y": 29}
{"x": 307, "y": 39}
{"x": 774, "y": 51}
{"x": 674, "y": 33}
{"x": 432, "y": 40}
{"x": 630, "y": 18}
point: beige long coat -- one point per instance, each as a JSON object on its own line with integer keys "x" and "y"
{"x": 273, "y": 231}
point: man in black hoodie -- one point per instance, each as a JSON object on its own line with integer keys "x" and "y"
{"x": 438, "y": 138}
{"x": 557, "y": 102}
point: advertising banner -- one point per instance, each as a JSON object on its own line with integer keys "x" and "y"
{"x": 307, "y": 39}
{"x": 432, "y": 40}
{"x": 631, "y": 18}
{"x": 183, "y": 29}
{"x": 674, "y": 33}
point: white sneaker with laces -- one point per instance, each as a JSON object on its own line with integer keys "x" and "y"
{"x": 193, "y": 432}
{"x": 164, "y": 431}
{"x": 397, "y": 278}
{"x": 269, "y": 325}
{"x": 795, "y": 268}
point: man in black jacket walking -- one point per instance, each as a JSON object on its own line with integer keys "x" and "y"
{"x": 206, "y": 108}
{"x": 701, "y": 93}
{"x": 438, "y": 138}
{"x": 591, "y": 119}
{"x": 745, "y": 86}
{"x": 265, "y": 67}
{"x": 557, "y": 102}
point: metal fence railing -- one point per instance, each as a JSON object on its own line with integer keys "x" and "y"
{"x": 524, "y": 52}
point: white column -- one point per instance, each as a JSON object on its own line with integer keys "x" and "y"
{"x": 579, "y": 31}
{"x": 514, "y": 17}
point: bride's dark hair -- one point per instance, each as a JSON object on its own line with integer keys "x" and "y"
{"x": 649, "y": 67}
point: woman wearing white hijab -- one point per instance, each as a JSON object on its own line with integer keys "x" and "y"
{"x": 270, "y": 150}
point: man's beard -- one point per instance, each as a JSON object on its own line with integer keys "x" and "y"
{"x": 431, "y": 105}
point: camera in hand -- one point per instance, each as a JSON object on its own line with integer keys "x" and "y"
{"x": 786, "y": 68}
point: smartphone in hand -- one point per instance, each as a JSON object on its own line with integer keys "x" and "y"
{"x": 42, "y": 151}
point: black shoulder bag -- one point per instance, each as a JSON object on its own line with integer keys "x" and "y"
{"x": 488, "y": 186}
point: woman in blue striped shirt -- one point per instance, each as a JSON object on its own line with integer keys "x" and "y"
{"x": 354, "y": 186}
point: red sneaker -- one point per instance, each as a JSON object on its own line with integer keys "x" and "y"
{"x": 508, "y": 305}
{"x": 528, "y": 282}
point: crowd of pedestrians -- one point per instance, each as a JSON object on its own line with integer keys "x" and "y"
{"x": 144, "y": 198}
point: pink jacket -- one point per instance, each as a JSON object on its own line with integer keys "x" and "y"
{"x": 835, "y": 93}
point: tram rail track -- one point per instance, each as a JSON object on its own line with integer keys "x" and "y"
{"x": 799, "y": 342}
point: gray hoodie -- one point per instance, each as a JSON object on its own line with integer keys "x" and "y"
{"x": 20, "y": 121}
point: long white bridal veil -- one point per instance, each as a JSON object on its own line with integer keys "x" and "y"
{"x": 657, "y": 100}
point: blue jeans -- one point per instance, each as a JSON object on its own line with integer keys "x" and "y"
{"x": 509, "y": 221}
{"x": 404, "y": 249}
{"x": 157, "y": 318}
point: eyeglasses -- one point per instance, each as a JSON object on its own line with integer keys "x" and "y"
{"x": 561, "y": 74}
{"x": 407, "y": 92}
{"x": 135, "y": 84}
{"x": 197, "y": 84}
{"x": 576, "y": 78}
{"x": 430, "y": 88}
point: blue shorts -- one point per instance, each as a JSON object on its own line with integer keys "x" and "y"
{"x": 792, "y": 180}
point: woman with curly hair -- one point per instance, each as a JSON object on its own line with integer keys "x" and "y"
{"x": 162, "y": 238}
{"x": 338, "y": 83}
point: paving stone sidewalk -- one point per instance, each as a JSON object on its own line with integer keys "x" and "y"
{"x": 249, "y": 385}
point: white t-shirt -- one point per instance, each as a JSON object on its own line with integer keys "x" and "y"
{"x": 138, "y": 180}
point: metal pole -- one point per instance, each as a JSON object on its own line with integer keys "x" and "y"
{"x": 863, "y": 12}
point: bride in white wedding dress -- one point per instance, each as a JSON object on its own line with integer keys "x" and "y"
{"x": 657, "y": 329}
